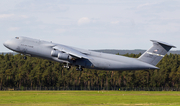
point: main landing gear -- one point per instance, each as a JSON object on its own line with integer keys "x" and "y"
{"x": 79, "y": 68}
{"x": 67, "y": 66}
{"x": 24, "y": 57}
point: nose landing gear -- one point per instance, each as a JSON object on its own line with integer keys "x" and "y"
{"x": 25, "y": 56}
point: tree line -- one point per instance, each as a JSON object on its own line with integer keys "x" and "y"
{"x": 37, "y": 72}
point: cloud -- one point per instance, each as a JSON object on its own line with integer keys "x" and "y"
{"x": 60, "y": 30}
{"x": 145, "y": 5}
{"x": 115, "y": 22}
{"x": 83, "y": 20}
{"x": 12, "y": 15}
{"x": 6, "y": 15}
{"x": 14, "y": 28}
{"x": 23, "y": 16}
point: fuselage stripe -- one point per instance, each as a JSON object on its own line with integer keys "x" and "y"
{"x": 155, "y": 54}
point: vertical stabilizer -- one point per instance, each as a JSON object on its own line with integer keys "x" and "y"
{"x": 156, "y": 52}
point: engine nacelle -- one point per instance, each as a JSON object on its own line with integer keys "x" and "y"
{"x": 54, "y": 53}
{"x": 61, "y": 55}
{"x": 64, "y": 56}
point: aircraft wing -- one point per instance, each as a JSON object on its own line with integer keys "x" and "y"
{"x": 71, "y": 51}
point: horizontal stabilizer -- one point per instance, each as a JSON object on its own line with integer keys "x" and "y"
{"x": 156, "y": 52}
{"x": 163, "y": 43}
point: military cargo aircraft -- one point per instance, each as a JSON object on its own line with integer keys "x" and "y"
{"x": 87, "y": 58}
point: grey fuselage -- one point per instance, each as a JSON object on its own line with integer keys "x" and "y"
{"x": 95, "y": 60}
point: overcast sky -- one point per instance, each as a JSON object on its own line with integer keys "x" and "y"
{"x": 92, "y": 24}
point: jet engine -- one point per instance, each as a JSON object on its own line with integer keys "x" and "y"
{"x": 54, "y": 53}
{"x": 60, "y": 55}
{"x": 64, "y": 56}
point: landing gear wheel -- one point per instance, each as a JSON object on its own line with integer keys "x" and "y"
{"x": 24, "y": 57}
{"x": 67, "y": 66}
{"x": 79, "y": 68}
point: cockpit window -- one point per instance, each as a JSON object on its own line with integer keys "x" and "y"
{"x": 17, "y": 37}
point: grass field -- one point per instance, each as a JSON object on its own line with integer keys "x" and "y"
{"x": 76, "y": 98}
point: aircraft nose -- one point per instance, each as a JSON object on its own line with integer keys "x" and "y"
{"x": 7, "y": 43}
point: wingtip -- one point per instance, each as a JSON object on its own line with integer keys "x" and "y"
{"x": 155, "y": 68}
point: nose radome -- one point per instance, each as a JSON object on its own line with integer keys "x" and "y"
{"x": 7, "y": 43}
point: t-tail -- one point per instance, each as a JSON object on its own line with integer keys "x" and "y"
{"x": 156, "y": 52}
